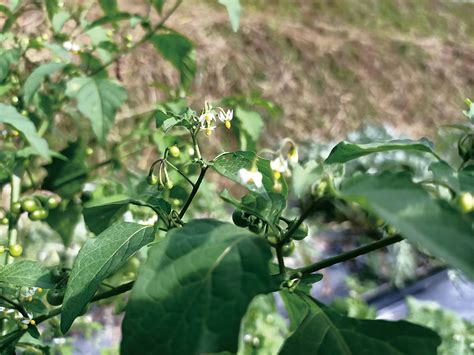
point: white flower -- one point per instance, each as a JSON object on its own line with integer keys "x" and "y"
{"x": 208, "y": 129}
{"x": 251, "y": 177}
{"x": 279, "y": 164}
{"x": 226, "y": 117}
{"x": 206, "y": 118}
{"x": 71, "y": 46}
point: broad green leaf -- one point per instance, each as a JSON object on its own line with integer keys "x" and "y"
{"x": 346, "y": 151}
{"x": 109, "y": 7}
{"x": 434, "y": 224}
{"x": 8, "y": 341}
{"x": 37, "y": 77}
{"x": 26, "y": 273}
{"x": 324, "y": 331}
{"x": 229, "y": 164}
{"x": 194, "y": 289}
{"x": 233, "y": 9}
{"x": 66, "y": 177}
{"x": 52, "y": 8}
{"x": 99, "y": 217}
{"x": 249, "y": 122}
{"x": 458, "y": 181}
{"x": 98, "y": 100}
{"x": 158, "y": 5}
{"x": 9, "y": 115}
{"x": 303, "y": 178}
{"x": 59, "y": 19}
{"x": 112, "y": 18}
{"x": 267, "y": 209}
{"x": 7, "y": 58}
{"x": 179, "y": 50}
{"x": 98, "y": 259}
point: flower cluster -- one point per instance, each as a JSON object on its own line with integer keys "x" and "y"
{"x": 208, "y": 120}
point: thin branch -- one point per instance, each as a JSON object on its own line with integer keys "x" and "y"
{"x": 144, "y": 39}
{"x": 348, "y": 255}
{"x": 294, "y": 226}
{"x": 180, "y": 173}
{"x": 193, "y": 192}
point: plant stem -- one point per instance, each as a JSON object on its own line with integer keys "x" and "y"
{"x": 180, "y": 173}
{"x": 144, "y": 39}
{"x": 107, "y": 294}
{"x": 13, "y": 222}
{"x": 281, "y": 260}
{"x": 286, "y": 237}
{"x": 196, "y": 146}
{"x": 348, "y": 255}
{"x": 194, "y": 191}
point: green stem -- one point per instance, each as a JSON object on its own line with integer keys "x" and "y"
{"x": 194, "y": 191}
{"x": 294, "y": 226}
{"x": 107, "y": 294}
{"x": 347, "y": 255}
{"x": 281, "y": 260}
{"x": 180, "y": 173}
{"x": 196, "y": 146}
{"x": 13, "y": 222}
{"x": 144, "y": 39}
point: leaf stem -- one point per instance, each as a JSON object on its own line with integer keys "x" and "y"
{"x": 107, "y": 294}
{"x": 144, "y": 39}
{"x": 348, "y": 255}
{"x": 180, "y": 173}
{"x": 194, "y": 191}
{"x": 294, "y": 226}
{"x": 281, "y": 260}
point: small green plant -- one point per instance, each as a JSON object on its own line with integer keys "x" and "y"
{"x": 197, "y": 276}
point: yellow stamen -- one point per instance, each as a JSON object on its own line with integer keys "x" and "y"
{"x": 30, "y": 298}
{"x": 276, "y": 175}
{"x": 207, "y": 118}
{"x": 39, "y": 290}
{"x": 227, "y": 124}
{"x": 32, "y": 322}
{"x": 208, "y": 131}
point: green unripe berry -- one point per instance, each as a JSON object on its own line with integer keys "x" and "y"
{"x": 169, "y": 185}
{"x": 15, "y": 99}
{"x": 174, "y": 151}
{"x": 465, "y": 202}
{"x": 301, "y": 232}
{"x": 55, "y": 297}
{"x": 256, "y": 226}
{"x": 3, "y": 221}
{"x": 239, "y": 218}
{"x": 36, "y": 215}
{"x": 16, "y": 208}
{"x": 15, "y": 250}
{"x": 29, "y": 205}
{"x": 288, "y": 248}
{"x": 272, "y": 239}
{"x": 2, "y": 249}
{"x": 152, "y": 179}
{"x": 44, "y": 213}
{"x": 53, "y": 202}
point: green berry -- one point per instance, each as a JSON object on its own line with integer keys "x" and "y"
{"x": 55, "y": 297}
{"x": 53, "y": 202}
{"x": 152, "y": 179}
{"x": 301, "y": 232}
{"x": 288, "y": 248}
{"x": 29, "y": 205}
{"x": 3, "y": 221}
{"x": 256, "y": 226}
{"x": 272, "y": 238}
{"x": 466, "y": 202}
{"x": 16, "y": 207}
{"x": 15, "y": 250}
{"x": 174, "y": 151}
{"x": 239, "y": 218}
{"x": 36, "y": 215}
{"x": 2, "y": 249}
{"x": 169, "y": 185}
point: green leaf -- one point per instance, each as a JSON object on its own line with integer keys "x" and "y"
{"x": 59, "y": 19}
{"x": 250, "y": 123}
{"x": 179, "y": 50}
{"x": 109, "y": 7}
{"x": 457, "y": 181}
{"x": 26, "y": 273}
{"x": 229, "y": 164}
{"x": 52, "y": 7}
{"x": 267, "y": 209}
{"x": 437, "y": 226}
{"x": 303, "y": 178}
{"x": 233, "y": 9}
{"x": 7, "y": 58}
{"x": 324, "y": 331}
{"x": 66, "y": 177}
{"x": 194, "y": 289}
{"x": 98, "y": 100}
{"x": 346, "y": 151}
{"x": 119, "y": 16}
{"x": 9, "y": 115}
{"x": 9, "y": 340}
{"x": 158, "y": 5}
{"x": 37, "y": 77}
{"x": 98, "y": 259}
{"x": 99, "y": 217}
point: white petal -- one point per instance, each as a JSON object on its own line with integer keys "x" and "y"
{"x": 229, "y": 115}
{"x": 257, "y": 179}
{"x": 245, "y": 175}
{"x": 222, "y": 116}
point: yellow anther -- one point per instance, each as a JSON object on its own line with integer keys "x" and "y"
{"x": 227, "y": 124}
